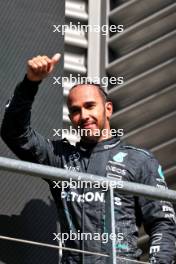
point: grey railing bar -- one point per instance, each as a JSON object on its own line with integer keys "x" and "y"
{"x": 35, "y": 243}
{"x": 110, "y": 225}
{"x": 52, "y": 173}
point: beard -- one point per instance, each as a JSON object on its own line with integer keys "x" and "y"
{"x": 93, "y": 131}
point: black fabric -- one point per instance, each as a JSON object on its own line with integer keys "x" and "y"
{"x": 83, "y": 209}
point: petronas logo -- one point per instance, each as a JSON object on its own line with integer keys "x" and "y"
{"x": 119, "y": 156}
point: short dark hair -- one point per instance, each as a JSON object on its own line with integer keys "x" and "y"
{"x": 103, "y": 94}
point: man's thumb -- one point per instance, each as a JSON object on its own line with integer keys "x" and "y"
{"x": 55, "y": 59}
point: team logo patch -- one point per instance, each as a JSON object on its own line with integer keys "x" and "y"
{"x": 119, "y": 157}
{"x": 74, "y": 156}
{"x": 161, "y": 174}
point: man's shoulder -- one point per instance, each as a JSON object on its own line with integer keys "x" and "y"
{"x": 137, "y": 153}
{"x": 136, "y": 159}
{"x": 137, "y": 150}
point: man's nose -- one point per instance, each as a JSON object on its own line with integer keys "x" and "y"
{"x": 84, "y": 114}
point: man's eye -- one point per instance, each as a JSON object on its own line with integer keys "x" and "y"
{"x": 74, "y": 111}
{"x": 91, "y": 106}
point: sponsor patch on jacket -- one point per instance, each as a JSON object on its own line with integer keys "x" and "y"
{"x": 74, "y": 156}
{"x": 119, "y": 156}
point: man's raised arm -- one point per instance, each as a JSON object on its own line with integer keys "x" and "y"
{"x": 16, "y": 131}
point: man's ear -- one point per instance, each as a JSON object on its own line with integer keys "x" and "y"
{"x": 109, "y": 109}
{"x": 69, "y": 115}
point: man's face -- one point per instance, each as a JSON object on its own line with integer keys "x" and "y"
{"x": 89, "y": 111}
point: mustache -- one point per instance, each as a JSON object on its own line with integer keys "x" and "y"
{"x": 83, "y": 123}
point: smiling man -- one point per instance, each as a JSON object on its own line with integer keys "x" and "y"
{"x": 90, "y": 111}
{"x": 81, "y": 210}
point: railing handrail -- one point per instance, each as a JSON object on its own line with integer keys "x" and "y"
{"x": 58, "y": 174}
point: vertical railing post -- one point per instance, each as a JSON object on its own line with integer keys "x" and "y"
{"x": 110, "y": 225}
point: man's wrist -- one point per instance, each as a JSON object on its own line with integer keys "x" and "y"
{"x": 27, "y": 88}
{"x": 31, "y": 82}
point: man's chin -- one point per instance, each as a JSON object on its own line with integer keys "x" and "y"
{"x": 90, "y": 138}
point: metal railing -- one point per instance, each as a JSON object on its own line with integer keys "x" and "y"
{"x": 52, "y": 173}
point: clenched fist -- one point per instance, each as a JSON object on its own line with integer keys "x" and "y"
{"x": 39, "y": 67}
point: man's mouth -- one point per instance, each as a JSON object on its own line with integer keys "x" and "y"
{"x": 89, "y": 125}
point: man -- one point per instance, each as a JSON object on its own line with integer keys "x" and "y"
{"x": 99, "y": 154}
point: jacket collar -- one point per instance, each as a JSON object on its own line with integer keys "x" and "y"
{"x": 99, "y": 146}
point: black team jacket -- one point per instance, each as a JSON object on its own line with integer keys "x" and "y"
{"x": 81, "y": 209}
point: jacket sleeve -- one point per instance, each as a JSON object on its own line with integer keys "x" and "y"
{"x": 16, "y": 131}
{"x": 158, "y": 216}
